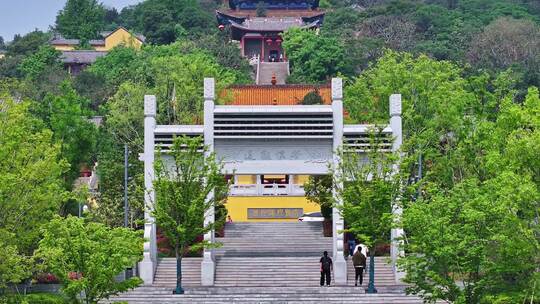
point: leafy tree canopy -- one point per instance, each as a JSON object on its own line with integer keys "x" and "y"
{"x": 67, "y": 115}
{"x": 27, "y": 44}
{"x": 81, "y": 19}
{"x": 188, "y": 185}
{"x": 30, "y": 174}
{"x": 163, "y": 22}
{"x": 36, "y": 64}
{"x": 313, "y": 58}
{"x": 87, "y": 257}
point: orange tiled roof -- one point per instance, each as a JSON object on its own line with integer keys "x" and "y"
{"x": 286, "y": 94}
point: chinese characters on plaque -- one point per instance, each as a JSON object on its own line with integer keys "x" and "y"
{"x": 275, "y": 213}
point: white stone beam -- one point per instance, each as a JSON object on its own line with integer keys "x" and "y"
{"x": 397, "y": 233}
{"x": 148, "y": 265}
{"x": 208, "y": 264}
{"x": 340, "y": 265}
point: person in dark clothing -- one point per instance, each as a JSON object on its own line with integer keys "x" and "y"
{"x": 359, "y": 262}
{"x": 326, "y": 268}
{"x": 351, "y": 242}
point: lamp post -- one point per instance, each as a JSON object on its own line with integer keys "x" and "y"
{"x": 371, "y": 285}
{"x": 129, "y": 271}
{"x": 126, "y": 205}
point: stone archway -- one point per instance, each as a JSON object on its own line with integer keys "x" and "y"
{"x": 255, "y": 140}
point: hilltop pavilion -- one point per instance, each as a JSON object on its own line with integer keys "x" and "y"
{"x": 261, "y": 36}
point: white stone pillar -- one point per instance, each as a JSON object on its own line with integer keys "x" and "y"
{"x": 149, "y": 263}
{"x": 396, "y": 233}
{"x": 340, "y": 265}
{"x": 259, "y": 184}
{"x": 208, "y": 264}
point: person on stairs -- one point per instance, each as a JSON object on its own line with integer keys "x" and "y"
{"x": 359, "y": 262}
{"x": 326, "y": 268}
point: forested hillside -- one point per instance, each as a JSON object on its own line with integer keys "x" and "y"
{"x": 468, "y": 71}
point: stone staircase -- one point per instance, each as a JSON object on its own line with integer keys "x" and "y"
{"x": 267, "y": 263}
{"x": 166, "y": 272}
{"x": 268, "y": 69}
{"x": 292, "y": 239}
{"x": 267, "y": 295}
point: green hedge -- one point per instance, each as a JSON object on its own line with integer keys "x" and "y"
{"x": 35, "y": 298}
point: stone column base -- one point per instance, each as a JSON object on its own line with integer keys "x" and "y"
{"x": 208, "y": 269}
{"x": 400, "y": 275}
{"x": 340, "y": 272}
{"x": 146, "y": 272}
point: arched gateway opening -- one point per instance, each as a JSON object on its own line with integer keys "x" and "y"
{"x": 269, "y": 151}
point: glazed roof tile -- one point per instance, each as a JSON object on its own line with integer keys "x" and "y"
{"x": 273, "y": 94}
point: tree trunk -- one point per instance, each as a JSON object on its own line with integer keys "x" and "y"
{"x": 179, "y": 289}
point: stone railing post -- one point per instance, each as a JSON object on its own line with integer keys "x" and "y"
{"x": 340, "y": 265}
{"x": 208, "y": 263}
{"x": 149, "y": 263}
{"x": 396, "y": 233}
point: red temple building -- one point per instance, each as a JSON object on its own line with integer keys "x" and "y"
{"x": 260, "y": 37}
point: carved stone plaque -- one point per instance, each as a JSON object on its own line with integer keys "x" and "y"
{"x": 275, "y": 213}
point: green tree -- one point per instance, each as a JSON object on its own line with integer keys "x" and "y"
{"x": 123, "y": 125}
{"x": 67, "y": 116}
{"x": 9, "y": 67}
{"x": 86, "y": 257}
{"x": 117, "y": 66}
{"x": 435, "y": 100}
{"x": 369, "y": 188}
{"x": 319, "y": 191}
{"x": 226, "y": 53}
{"x": 175, "y": 74}
{"x": 312, "y": 98}
{"x": 27, "y": 44}
{"x": 13, "y": 266}
{"x": 36, "y": 64}
{"x": 475, "y": 235}
{"x": 31, "y": 168}
{"x": 313, "y": 58}
{"x": 178, "y": 82}
{"x": 81, "y": 19}
{"x": 159, "y": 20}
{"x": 184, "y": 184}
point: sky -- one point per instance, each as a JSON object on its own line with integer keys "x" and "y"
{"x": 23, "y": 16}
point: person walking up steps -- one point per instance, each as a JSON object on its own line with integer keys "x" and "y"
{"x": 326, "y": 268}
{"x": 359, "y": 262}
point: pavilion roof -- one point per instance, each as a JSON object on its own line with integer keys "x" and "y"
{"x": 287, "y": 94}
{"x": 273, "y": 24}
{"x": 268, "y": 24}
{"x": 82, "y": 57}
{"x": 273, "y": 13}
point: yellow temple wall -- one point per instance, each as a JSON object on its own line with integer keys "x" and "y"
{"x": 301, "y": 179}
{"x": 246, "y": 179}
{"x": 237, "y": 206}
{"x": 64, "y": 47}
{"x": 120, "y": 36}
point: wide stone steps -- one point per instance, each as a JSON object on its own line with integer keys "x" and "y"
{"x": 268, "y": 69}
{"x": 262, "y": 271}
{"x": 166, "y": 272}
{"x": 268, "y": 263}
{"x": 291, "y": 239}
{"x": 260, "y": 295}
